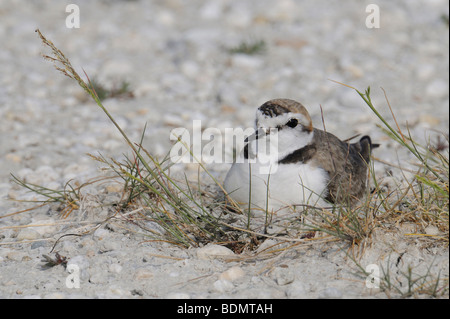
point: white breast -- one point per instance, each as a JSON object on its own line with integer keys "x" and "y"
{"x": 290, "y": 184}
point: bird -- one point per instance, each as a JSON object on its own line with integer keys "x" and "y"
{"x": 287, "y": 163}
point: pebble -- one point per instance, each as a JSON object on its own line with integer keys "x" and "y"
{"x": 155, "y": 227}
{"x": 13, "y": 157}
{"x": 212, "y": 10}
{"x": 15, "y": 255}
{"x": 268, "y": 245}
{"x": 28, "y": 234}
{"x": 239, "y": 16}
{"x": 143, "y": 274}
{"x": 101, "y": 233}
{"x": 173, "y": 120}
{"x": 222, "y": 285}
{"x": 432, "y": 230}
{"x": 438, "y": 89}
{"x": 190, "y": 69}
{"x": 46, "y": 227}
{"x": 98, "y": 278}
{"x": 425, "y": 71}
{"x": 297, "y": 290}
{"x": 115, "y": 268}
{"x": 429, "y": 119}
{"x": 232, "y": 274}
{"x": 283, "y": 276}
{"x": 110, "y": 245}
{"x": 246, "y": 62}
{"x": 212, "y": 251}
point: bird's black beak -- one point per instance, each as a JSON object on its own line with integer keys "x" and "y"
{"x": 258, "y": 133}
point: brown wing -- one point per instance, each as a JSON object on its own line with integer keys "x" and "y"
{"x": 345, "y": 163}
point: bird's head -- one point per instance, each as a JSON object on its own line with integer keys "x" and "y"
{"x": 287, "y": 118}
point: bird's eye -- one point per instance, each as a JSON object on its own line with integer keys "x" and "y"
{"x": 292, "y": 123}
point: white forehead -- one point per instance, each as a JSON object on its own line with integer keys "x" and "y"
{"x": 265, "y": 121}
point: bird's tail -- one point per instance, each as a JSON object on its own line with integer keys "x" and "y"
{"x": 366, "y": 147}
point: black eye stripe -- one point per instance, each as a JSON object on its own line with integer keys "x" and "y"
{"x": 292, "y": 123}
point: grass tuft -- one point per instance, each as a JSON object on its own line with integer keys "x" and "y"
{"x": 116, "y": 91}
{"x": 249, "y": 47}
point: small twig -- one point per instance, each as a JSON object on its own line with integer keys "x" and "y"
{"x": 328, "y": 140}
{"x": 393, "y": 116}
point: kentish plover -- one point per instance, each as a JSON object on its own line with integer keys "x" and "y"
{"x": 310, "y": 167}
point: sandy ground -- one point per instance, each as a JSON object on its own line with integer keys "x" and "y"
{"x": 175, "y": 55}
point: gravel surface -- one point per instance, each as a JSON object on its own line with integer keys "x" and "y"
{"x": 176, "y": 56}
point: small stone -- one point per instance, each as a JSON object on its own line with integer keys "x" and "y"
{"x": 296, "y": 290}
{"x": 101, "y": 233}
{"x": 227, "y": 109}
{"x": 110, "y": 245}
{"x": 117, "y": 69}
{"x": 114, "y": 292}
{"x": 114, "y": 188}
{"x": 143, "y": 89}
{"x": 98, "y": 278}
{"x": 283, "y": 276}
{"x": 232, "y": 274}
{"x": 13, "y": 158}
{"x": 222, "y": 285}
{"x": 115, "y": 268}
{"x": 166, "y": 18}
{"x": 143, "y": 274}
{"x": 27, "y": 234}
{"x": 155, "y": 227}
{"x": 432, "y": 230}
{"x": 437, "y": 89}
{"x": 190, "y": 69}
{"x": 244, "y": 61}
{"x": 173, "y": 120}
{"x": 47, "y": 226}
{"x": 425, "y": 71}
{"x": 212, "y": 10}
{"x": 15, "y": 255}
{"x": 213, "y": 251}
{"x": 240, "y": 16}
{"x": 267, "y": 245}
{"x": 9, "y": 283}
{"x": 429, "y": 119}
{"x": 355, "y": 71}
